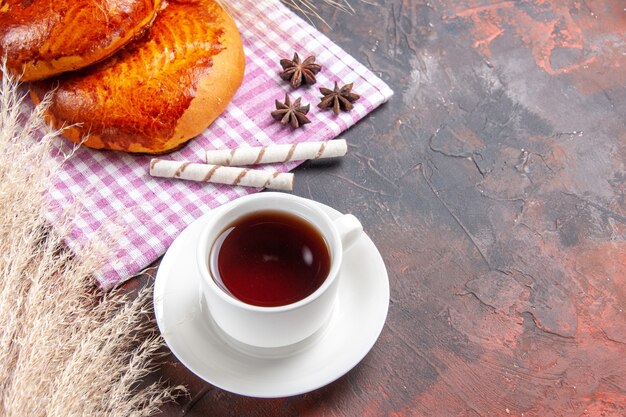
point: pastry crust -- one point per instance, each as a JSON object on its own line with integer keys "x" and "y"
{"x": 158, "y": 92}
{"x": 46, "y": 38}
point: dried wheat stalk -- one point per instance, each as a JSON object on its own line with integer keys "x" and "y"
{"x": 66, "y": 349}
{"x": 309, "y": 8}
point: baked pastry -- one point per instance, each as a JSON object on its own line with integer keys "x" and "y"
{"x": 159, "y": 91}
{"x": 45, "y": 38}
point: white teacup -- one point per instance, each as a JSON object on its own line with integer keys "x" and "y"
{"x": 272, "y": 327}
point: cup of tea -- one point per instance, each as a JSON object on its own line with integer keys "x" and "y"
{"x": 270, "y": 267}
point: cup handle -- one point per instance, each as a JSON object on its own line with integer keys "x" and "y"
{"x": 349, "y": 228}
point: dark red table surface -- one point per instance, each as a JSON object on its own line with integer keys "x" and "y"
{"x": 493, "y": 184}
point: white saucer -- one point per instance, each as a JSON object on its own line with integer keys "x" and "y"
{"x": 356, "y": 323}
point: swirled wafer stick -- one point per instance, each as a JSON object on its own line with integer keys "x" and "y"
{"x": 277, "y": 153}
{"x": 219, "y": 174}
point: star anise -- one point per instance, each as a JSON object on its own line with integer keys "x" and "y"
{"x": 338, "y": 99}
{"x": 297, "y": 72}
{"x": 292, "y": 113}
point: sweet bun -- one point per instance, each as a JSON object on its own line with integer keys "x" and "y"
{"x": 44, "y": 38}
{"x": 159, "y": 91}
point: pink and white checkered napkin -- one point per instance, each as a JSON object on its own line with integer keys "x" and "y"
{"x": 101, "y": 186}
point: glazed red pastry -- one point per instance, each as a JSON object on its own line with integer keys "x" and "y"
{"x": 45, "y": 38}
{"x": 160, "y": 90}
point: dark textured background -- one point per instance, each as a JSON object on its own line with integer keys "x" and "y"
{"x": 493, "y": 184}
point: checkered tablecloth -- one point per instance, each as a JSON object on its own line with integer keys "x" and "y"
{"x": 102, "y": 188}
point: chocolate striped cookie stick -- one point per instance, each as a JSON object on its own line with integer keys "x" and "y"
{"x": 219, "y": 174}
{"x": 277, "y": 153}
